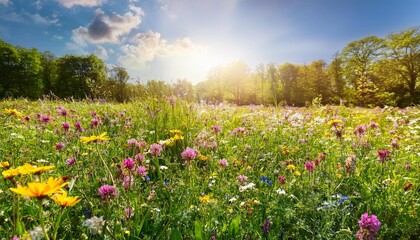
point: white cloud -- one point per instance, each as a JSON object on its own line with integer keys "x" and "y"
{"x": 58, "y": 37}
{"x": 148, "y": 46}
{"x": 136, "y": 10}
{"x": 106, "y": 29}
{"x": 38, "y": 19}
{"x": 12, "y": 17}
{"x": 5, "y": 2}
{"x": 75, "y": 48}
{"x": 101, "y": 52}
{"x": 82, "y": 3}
{"x": 38, "y": 4}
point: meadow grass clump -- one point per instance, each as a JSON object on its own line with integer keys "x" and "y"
{"x": 177, "y": 170}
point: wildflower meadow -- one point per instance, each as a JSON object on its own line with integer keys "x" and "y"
{"x": 170, "y": 169}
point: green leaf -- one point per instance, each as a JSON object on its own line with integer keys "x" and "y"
{"x": 234, "y": 225}
{"x": 198, "y": 230}
{"x": 176, "y": 235}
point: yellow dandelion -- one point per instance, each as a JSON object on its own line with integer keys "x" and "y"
{"x": 206, "y": 199}
{"x": 93, "y": 138}
{"x": 40, "y": 189}
{"x": 291, "y": 167}
{"x": 13, "y": 112}
{"x": 297, "y": 173}
{"x": 175, "y": 131}
{"x": 334, "y": 122}
{"x": 177, "y": 137}
{"x": 4, "y": 164}
{"x": 65, "y": 201}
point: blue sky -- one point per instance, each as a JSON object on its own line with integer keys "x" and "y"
{"x": 171, "y": 39}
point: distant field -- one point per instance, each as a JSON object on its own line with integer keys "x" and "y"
{"x": 161, "y": 169}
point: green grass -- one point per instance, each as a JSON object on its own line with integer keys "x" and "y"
{"x": 199, "y": 199}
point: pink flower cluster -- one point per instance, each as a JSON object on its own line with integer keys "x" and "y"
{"x": 369, "y": 227}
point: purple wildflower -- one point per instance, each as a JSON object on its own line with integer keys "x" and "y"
{"x": 133, "y": 142}
{"x": 59, "y": 146}
{"x": 140, "y": 158}
{"x": 309, "y": 166}
{"x": 128, "y": 163}
{"x": 107, "y": 192}
{"x": 223, "y": 162}
{"x": 155, "y": 150}
{"x": 383, "y": 155}
{"x": 78, "y": 126}
{"x": 70, "y": 161}
{"x": 242, "y": 178}
{"x": 142, "y": 171}
{"x": 65, "y": 126}
{"x": 369, "y": 226}
{"x": 189, "y": 154}
{"x": 282, "y": 179}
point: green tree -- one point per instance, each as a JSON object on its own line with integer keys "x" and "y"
{"x": 184, "y": 89}
{"x": 9, "y": 61}
{"x": 117, "y": 84}
{"x": 404, "y": 48}
{"x": 335, "y": 73}
{"x": 49, "y": 71}
{"x": 359, "y": 58}
{"x": 80, "y": 76}
{"x": 289, "y": 74}
{"x": 29, "y": 74}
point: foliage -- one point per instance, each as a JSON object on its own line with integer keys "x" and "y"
{"x": 171, "y": 169}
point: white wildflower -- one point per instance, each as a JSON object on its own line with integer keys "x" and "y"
{"x": 94, "y": 224}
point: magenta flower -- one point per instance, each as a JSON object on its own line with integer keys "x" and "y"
{"x": 383, "y": 155}
{"x": 282, "y": 179}
{"x": 189, "y": 154}
{"x": 309, "y": 166}
{"x": 107, "y": 192}
{"x": 70, "y": 161}
{"x": 369, "y": 227}
{"x": 142, "y": 171}
{"x": 78, "y": 126}
{"x": 62, "y": 112}
{"x": 216, "y": 129}
{"x": 94, "y": 123}
{"x": 140, "y": 158}
{"x": 129, "y": 212}
{"x": 242, "y": 178}
{"x": 155, "y": 150}
{"x": 128, "y": 163}
{"x": 65, "y": 126}
{"x": 133, "y": 142}
{"x": 360, "y": 130}
{"x": 223, "y": 162}
{"x": 59, "y": 146}
{"x": 128, "y": 181}
{"x": 45, "y": 119}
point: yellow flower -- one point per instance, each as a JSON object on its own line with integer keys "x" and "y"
{"x": 40, "y": 189}
{"x": 65, "y": 201}
{"x": 334, "y": 122}
{"x": 291, "y": 167}
{"x": 175, "y": 131}
{"x": 339, "y": 175}
{"x": 13, "y": 112}
{"x": 28, "y": 169}
{"x": 177, "y": 138}
{"x": 93, "y": 138}
{"x": 10, "y": 173}
{"x": 4, "y": 164}
{"x": 203, "y": 157}
{"x": 297, "y": 173}
{"x": 206, "y": 199}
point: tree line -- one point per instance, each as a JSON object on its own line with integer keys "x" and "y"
{"x": 368, "y": 72}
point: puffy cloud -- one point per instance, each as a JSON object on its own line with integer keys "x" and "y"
{"x": 42, "y": 20}
{"x": 101, "y": 52}
{"x": 136, "y": 10}
{"x": 58, "y": 37}
{"x": 106, "y": 29}
{"x": 83, "y": 3}
{"x": 5, "y": 2}
{"x": 147, "y": 46}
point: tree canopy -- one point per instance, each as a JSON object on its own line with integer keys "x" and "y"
{"x": 368, "y": 72}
